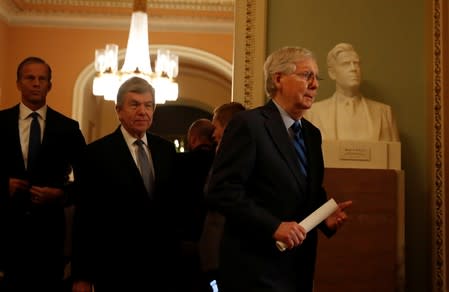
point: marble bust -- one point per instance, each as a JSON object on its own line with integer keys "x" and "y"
{"x": 347, "y": 114}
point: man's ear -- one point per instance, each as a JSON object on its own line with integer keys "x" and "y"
{"x": 277, "y": 78}
{"x": 331, "y": 73}
{"x": 191, "y": 142}
{"x": 49, "y": 85}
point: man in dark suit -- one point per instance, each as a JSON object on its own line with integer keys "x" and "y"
{"x": 258, "y": 185}
{"x": 33, "y": 193}
{"x": 209, "y": 245}
{"x": 193, "y": 168}
{"x": 124, "y": 234}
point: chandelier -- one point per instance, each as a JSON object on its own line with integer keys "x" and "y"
{"x": 137, "y": 62}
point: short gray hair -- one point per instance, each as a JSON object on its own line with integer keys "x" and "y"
{"x": 136, "y": 85}
{"x": 284, "y": 61}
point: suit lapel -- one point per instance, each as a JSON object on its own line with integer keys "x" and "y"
{"x": 276, "y": 130}
{"x": 330, "y": 113}
{"x": 14, "y": 136}
{"x": 53, "y": 128}
{"x": 124, "y": 159}
{"x": 123, "y": 153}
{"x": 312, "y": 147}
{"x": 374, "y": 117}
{"x": 50, "y": 126}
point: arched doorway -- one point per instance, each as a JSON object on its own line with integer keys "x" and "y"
{"x": 205, "y": 81}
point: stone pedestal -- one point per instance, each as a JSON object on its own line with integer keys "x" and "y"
{"x": 367, "y": 254}
{"x": 362, "y": 154}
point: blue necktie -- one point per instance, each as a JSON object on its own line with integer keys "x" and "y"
{"x": 34, "y": 142}
{"x": 144, "y": 165}
{"x": 298, "y": 142}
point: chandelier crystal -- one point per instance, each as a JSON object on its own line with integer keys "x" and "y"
{"x": 137, "y": 62}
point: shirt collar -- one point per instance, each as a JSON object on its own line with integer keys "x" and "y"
{"x": 288, "y": 121}
{"x": 24, "y": 111}
{"x": 130, "y": 139}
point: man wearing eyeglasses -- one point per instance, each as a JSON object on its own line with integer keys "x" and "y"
{"x": 263, "y": 181}
{"x": 347, "y": 114}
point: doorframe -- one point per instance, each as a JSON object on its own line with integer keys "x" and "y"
{"x": 439, "y": 130}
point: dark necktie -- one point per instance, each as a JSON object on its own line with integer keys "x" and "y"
{"x": 298, "y": 142}
{"x": 144, "y": 165}
{"x": 34, "y": 142}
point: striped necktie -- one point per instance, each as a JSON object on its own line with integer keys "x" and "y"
{"x": 144, "y": 166}
{"x": 300, "y": 147}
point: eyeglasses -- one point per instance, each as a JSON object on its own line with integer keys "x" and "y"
{"x": 308, "y": 76}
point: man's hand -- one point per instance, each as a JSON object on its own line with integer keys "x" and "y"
{"x": 81, "y": 286}
{"x": 336, "y": 219}
{"x": 290, "y": 233}
{"x": 17, "y": 185}
{"x": 43, "y": 195}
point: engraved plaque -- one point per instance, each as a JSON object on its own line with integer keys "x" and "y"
{"x": 354, "y": 151}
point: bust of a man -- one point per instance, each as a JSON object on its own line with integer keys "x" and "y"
{"x": 347, "y": 114}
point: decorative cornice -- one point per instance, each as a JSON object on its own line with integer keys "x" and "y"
{"x": 7, "y": 9}
{"x": 69, "y": 5}
{"x": 155, "y": 24}
{"x": 166, "y": 15}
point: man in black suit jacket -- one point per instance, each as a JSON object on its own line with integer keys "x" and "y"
{"x": 209, "y": 245}
{"x": 257, "y": 184}
{"x": 193, "y": 169}
{"x": 32, "y": 199}
{"x": 124, "y": 234}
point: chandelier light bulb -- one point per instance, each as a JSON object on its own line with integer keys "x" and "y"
{"x": 137, "y": 63}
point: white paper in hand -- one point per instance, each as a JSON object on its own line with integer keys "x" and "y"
{"x": 314, "y": 219}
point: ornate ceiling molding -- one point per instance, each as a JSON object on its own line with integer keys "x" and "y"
{"x": 164, "y": 15}
{"x": 64, "y": 5}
